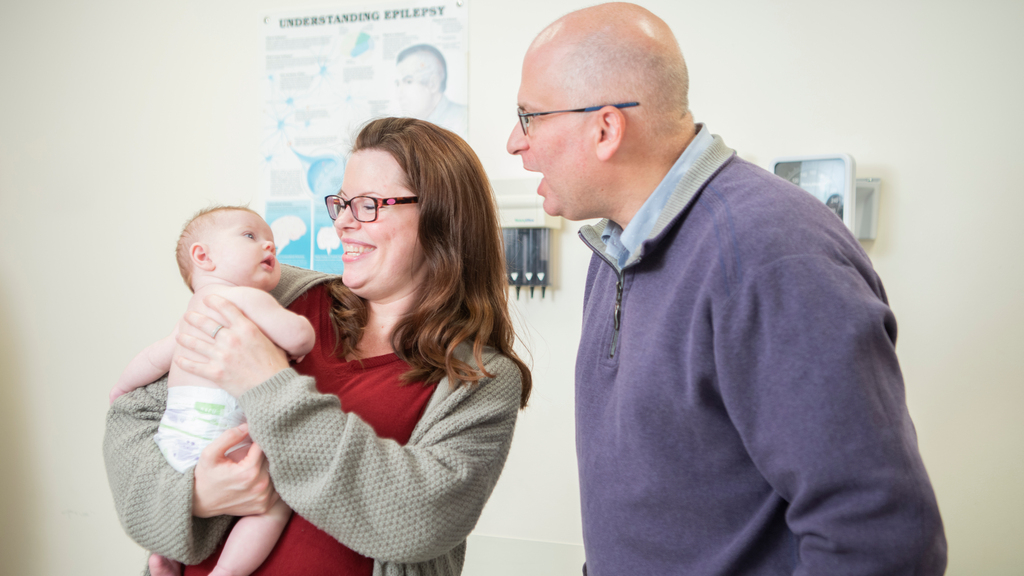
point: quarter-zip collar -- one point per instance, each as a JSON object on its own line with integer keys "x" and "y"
{"x": 708, "y": 162}
{"x": 621, "y": 243}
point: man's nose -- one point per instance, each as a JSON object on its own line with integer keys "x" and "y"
{"x": 517, "y": 143}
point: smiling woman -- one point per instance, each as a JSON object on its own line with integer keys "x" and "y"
{"x": 415, "y": 340}
{"x": 384, "y": 262}
{"x": 448, "y": 245}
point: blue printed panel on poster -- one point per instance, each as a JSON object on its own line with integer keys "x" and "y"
{"x": 290, "y": 222}
{"x": 326, "y": 244}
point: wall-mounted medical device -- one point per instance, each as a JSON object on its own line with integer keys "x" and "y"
{"x": 528, "y": 233}
{"x": 832, "y": 178}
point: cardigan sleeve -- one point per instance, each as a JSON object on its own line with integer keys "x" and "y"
{"x": 808, "y": 372}
{"x": 397, "y": 504}
{"x": 154, "y": 501}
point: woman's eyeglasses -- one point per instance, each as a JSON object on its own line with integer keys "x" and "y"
{"x": 364, "y": 208}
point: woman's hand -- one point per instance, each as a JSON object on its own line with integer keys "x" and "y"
{"x": 236, "y": 356}
{"x": 234, "y": 488}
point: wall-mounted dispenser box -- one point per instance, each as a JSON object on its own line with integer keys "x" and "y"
{"x": 520, "y": 206}
{"x": 527, "y": 231}
{"x": 866, "y": 193}
{"x": 832, "y": 178}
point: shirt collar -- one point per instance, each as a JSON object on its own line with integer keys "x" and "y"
{"x": 619, "y": 243}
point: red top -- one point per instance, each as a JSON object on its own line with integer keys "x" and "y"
{"x": 369, "y": 389}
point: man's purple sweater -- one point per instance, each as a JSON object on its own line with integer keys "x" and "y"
{"x": 743, "y": 412}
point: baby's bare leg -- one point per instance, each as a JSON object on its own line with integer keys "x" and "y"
{"x": 251, "y": 541}
{"x": 160, "y": 566}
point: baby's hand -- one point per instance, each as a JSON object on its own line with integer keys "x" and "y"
{"x": 295, "y": 360}
{"x": 160, "y": 566}
{"x": 115, "y": 392}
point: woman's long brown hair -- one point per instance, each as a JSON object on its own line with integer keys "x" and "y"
{"x": 464, "y": 297}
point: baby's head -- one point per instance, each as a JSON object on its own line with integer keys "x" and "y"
{"x": 229, "y": 243}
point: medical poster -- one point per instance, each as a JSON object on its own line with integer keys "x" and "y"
{"x": 290, "y": 221}
{"x": 326, "y": 71}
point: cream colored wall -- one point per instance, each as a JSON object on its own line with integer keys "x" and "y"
{"x": 121, "y": 118}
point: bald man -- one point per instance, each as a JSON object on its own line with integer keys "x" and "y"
{"x": 739, "y": 405}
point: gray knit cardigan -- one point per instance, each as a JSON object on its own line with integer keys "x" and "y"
{"x": 409, "y": 507}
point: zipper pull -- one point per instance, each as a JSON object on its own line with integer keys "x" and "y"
{"x": 617, "y": 315}
{"x": 618, "y": 303}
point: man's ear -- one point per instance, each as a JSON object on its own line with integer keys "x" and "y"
{"x": 612, "y": 126}
{"x": 434, "y": 82}
{"x": 201, "y": 257}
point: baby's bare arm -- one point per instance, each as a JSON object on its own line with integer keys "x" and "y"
{"x": 291, "y": 332}
{"x": 148, "y": 366}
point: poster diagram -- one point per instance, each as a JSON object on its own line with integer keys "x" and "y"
{"x": 328, "y": 71}
{"x": 290, "y": 222}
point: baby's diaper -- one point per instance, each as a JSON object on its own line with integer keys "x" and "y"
{"x": 194, "y": 417}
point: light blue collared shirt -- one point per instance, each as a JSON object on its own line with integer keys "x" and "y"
{"x": 619, "y": 243}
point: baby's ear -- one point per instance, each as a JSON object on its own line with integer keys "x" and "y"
{"x": 200, "y": 257}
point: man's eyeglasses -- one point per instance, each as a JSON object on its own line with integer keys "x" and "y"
{"x": 524, "y": 117}
{"x": 364, "y": 208}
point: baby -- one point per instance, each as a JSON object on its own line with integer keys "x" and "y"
{"x": 228, "y": 251}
